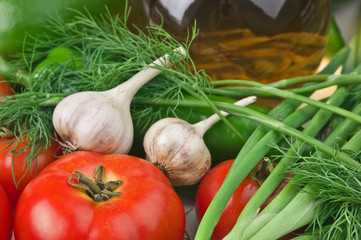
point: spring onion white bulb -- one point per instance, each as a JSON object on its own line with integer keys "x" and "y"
{"x": 101, "y": 121}
{"x": 178, "y": 149}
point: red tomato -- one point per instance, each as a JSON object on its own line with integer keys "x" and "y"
{"x": 5, "y": 88}
{"x": 210, "y": 185}
{"x": 6, "y": 216}
{"x": 14, "y": 166}
{"x": 147, "y": 207}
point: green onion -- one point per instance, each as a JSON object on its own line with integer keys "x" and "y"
{"x": 251, "y": 153}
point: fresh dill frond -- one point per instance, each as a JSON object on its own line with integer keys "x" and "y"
{"x": 109, "y": 54}
{"x": 337, "y": 189}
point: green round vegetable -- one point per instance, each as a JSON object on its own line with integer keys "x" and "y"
{"x": 61, "y": 55}
{"x": 21, "y": 17}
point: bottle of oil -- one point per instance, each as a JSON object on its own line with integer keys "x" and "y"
{"x": 262, "y": 40}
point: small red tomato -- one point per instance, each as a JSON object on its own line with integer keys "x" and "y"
{"x": 13, "y": 166}
{"x": 5, "y": 88}
{"x": 210, "y": 185}
{"x": 6, "y": 216}
{"x": 131, "y": 199}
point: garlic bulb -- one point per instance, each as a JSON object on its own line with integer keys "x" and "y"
{"x": 101, "y": 121}
{"x": 178, "y": 149}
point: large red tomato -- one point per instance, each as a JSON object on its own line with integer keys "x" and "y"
{"x": 147, "y": 206}
{"x": 210, "y": 185}
{"x": 13, "y": 166}
{"x": 6, "y": 216}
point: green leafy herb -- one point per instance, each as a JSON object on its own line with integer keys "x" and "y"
{"x": 110, "y": 53}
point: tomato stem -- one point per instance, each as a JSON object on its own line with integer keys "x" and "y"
{"x": 98, "y": 190}
{"x": 261, "y": 171}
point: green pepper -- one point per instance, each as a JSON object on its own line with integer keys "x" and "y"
{"x": 61, "y": 55}
{"x": 21, "y": 17}
{"x": 58, "y": 56}
{"x": 55, "y": 57}
{"x": 221, "y": 141}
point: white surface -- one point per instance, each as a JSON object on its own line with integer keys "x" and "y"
{"x": 347, "y": 16}
{"x": 191, "y": 218}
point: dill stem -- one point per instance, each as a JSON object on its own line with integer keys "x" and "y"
{"x": 51, "y": 102}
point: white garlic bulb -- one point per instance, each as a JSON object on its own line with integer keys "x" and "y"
{"x": 178, "y": 149}
{"x": 95, "y": 122}
{"x": 171, "y": 144}
{"x": 101, "y": 121}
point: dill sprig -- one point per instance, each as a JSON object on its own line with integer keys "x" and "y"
{"x": 337, "y": 190}
{"x": 110, "y": 53}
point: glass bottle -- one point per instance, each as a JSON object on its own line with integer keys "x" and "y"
{"x": 262, "y": 40}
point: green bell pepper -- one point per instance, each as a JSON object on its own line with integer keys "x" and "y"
{"x": 222, "y": 142}
{"x": 56, "y": 56}
{"x": 21, "y": 17}
{"x": 61, "y": 55}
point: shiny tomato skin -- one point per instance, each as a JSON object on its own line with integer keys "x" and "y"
{"x": 148, "y": 207}
{"x": 5, "y": 88}
{"x": 208, "y": 188}
{"x": 6, "y": 216}
{"x": 210, "y": 185}
{"x": 10, "y": 164}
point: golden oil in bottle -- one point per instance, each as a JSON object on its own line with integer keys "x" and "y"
{"x": 262, "y": 40}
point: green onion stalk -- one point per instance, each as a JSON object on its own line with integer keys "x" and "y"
{"x": 256, "y": 147}
{"x": 261, "y": 90}
{"x": 247, "y": 158}
{"x": 312, "y": 129}
{"x": 294, "y": 211}
{"x": 255, "y": 154}
{"x": 303, "y": 208}
{"x": 291, "y": 95}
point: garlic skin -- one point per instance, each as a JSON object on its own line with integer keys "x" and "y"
{"x": 92, "y": 121}
{"x": 101, "y": 121}
{"x": 178, "y": 149}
